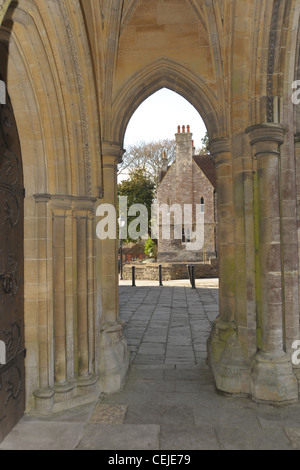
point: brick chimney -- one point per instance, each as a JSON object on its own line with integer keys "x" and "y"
{"x": 165, "y": 162}
{"x": 184, "y": 144}
{"x": 184, "y": 164}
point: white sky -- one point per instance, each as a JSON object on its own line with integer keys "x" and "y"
{"x": 158, "y": 117}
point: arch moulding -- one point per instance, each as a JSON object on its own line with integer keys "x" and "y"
{"x": 165, "y": 73}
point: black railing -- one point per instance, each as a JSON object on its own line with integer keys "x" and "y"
{"x": 191, "y": 271}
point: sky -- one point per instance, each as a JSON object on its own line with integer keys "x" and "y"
{"x": 158, "y": 117}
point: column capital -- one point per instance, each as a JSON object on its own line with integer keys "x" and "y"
{"x": 220, "y": 150}
{"x": 266, "y": 132}
{"x": 220, "y": 145}
{"x": 112, "y": 150}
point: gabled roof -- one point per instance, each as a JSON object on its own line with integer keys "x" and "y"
{"x": 206, "y": 164}
{"x": 134, "y": 248}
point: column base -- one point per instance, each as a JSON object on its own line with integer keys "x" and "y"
{"x": 86, "y": 385}
{"x": 65, "y": 396}
{"x": 225, "y": 357}
{"x": 64, "y": 391}
{"x": 273, "y": 381}
{"x": 44, "y": 400}
{"x": 114, "y": 358}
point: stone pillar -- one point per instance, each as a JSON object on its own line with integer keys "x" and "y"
{"x": 231, "y": 372}
{"x": 297, "y": 159}
{"x": 114, "y": 357}
{"x": 272, "y": 378}
{"x": 296, "y": 367}
{"x": 67, "y": 317}
{"x": 44, "y": 393}
{"x": 64, "y": 385}
{"x": 220, "y": 150}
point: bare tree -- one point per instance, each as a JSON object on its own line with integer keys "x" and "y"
{"x": 149, "y": 157}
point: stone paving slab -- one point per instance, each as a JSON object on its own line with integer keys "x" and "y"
{"x": 120, "y": 437}
{"x": 162, "y": 414}
{"x": 43, "y": 435}
{"x": 188, "y": 438}
{"x": 169, "y": 400}
{"x": 245, "y": 438}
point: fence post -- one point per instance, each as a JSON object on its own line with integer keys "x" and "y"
{"x": 193, "y": 278}
{"x": 189, "y": 272}
{"x": 160, "y": 275}
{"x": 133, "y": 276}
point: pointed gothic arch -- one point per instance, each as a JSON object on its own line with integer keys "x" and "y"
{"x": 165, "y": 73}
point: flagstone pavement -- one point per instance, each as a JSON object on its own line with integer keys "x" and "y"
{"x": 169, "y": 401}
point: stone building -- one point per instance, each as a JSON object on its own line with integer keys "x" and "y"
{"x": 75, "y": 71}
{"x": 187, "y": 186}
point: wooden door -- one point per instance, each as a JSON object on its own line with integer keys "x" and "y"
{"x": 12, "y": 368}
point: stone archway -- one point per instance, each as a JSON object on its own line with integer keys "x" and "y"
{"x": 75, "y": 89}
{"x": 244, "y": 122}
{"x": 56, "y": 112}
{"x": 165, "y": 73}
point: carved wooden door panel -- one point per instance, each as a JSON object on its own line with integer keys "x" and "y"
{"x": 12, "y": 366}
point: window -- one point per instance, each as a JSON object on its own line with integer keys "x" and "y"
{"x": 2, "y": 92}
{"x": 168, "y": 204}
{"x": 186, "y": 236}
{"x": 202, "y": 205}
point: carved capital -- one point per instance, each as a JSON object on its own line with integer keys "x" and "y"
{"x": 112, "y": 153}
{"x": 220, "y": 145}
{"x": 220, "y": 150}
{"x": 267, "y": 133}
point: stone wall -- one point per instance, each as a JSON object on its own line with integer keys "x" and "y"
{"x": 150, "y": 272}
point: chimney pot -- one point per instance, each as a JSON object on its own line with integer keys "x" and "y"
{"x": 183, "y": 129}
{"x": 178, "y": 129}
{"x": 188, "y": 129}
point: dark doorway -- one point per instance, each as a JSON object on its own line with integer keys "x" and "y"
{"x": 12, "y": 368}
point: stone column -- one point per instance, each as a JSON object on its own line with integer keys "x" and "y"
{"x": 44, "y": 393}
{"x": 297, "y": 158}
{"x": 67, "y": 320}
{"x": 63, "y": 386}
{"x": 85, "y": 335}
{"x": 114, "y": 358}
{"x": 231, "y": 372}
{"x": 296, "y": 367}
{"x": 220, "y": 150}
{"x": 272, "y": 379}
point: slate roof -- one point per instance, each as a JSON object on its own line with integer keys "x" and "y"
{"x": 206, "y": 164}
